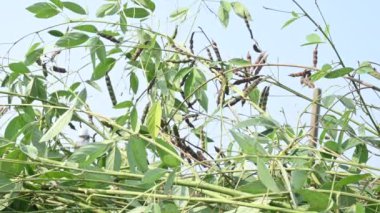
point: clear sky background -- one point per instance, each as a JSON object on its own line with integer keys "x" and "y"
{"x": 353, "y": 25}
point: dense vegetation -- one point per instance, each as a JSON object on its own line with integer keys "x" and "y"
{"x": 180, "y": 128}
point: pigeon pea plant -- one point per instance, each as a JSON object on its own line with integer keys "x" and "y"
{"x": 157, "y": 149}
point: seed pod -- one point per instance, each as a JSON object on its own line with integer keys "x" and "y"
{"x": 209, "y": 54}
{"x": 175, "y": 32}
{"x": 220, "y": 97}
{"x": 260, "y": 60}
{"x": 110, "y": 89}
{"x": 256, "y": 48}
{"x": 246, "y": 80}
{"x": 175, "y": 131}
{"x": 252, "y": 86}
{"x": 298, "y": 74}
{"x": 59, "y": 69}
{"x": 192, "y": 42}
{"x": 315, "y": 56}
{"x": 71, "y": 125}
{"x": 189, "y": 123}
{"x": 145, "y": 112}
{"x": 264, "y": 98}
{"x": 248, "y": 26}
{"x": 44, "y": 70}
{"x": 55, "y": 53}
{"x": 216, "y": 51}
{"x": 137, "y": 54}
{"x": 249, "y": 58}
{"x": 109, "y": 37}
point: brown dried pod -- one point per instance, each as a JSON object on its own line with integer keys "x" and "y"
{"x": 209, "y": 54}
{"x": 246, "y": 80}
{"x": 260, "y": 60}
{"x": 54, "y": 54}
{"x": 252, "y": 86}
{"x": 189, "y": 123}
{"x": 109, "y": 37}
{"x": 249, "y": 57}
{"x": 297, "y": 74}
{"x": 248, "y": 26}
{"x": 256, "y": 48}
{"x": 192, "y": 42}
{"x": 220, "y": 97}
{"x": 110, "y": 89}
{"x": 71, "y": 125}
{"x": 264, "y": 98}
{"x": 44, "y": 70}
{"x": 315, "y": 56}
{"x": 59, "y": 69}
{"x": 216, "y": 51}
{"x": 145, "y": 112}
{"x": 137, "y": 54}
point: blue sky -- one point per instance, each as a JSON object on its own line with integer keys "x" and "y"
{"x": 353, "y": 27}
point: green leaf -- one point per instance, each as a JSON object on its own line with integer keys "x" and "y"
{"x": 58, "y": 125}
{"x": 239, "y": 62}
{"x": 180, "y": 12}
{"x": 328, "y": 100}
{"x": 147, "y": 4}
{"x": 87, "y": 154}
{"x": 123, "y": 23}
{"x": 326, "y": 68}
{"x": 134, "y": 119}
{"x": 260, "y": 120}
{"x": 33, "y": 54}
{"x": 124, "y": 104}
{"x": 87, "y": 28}
{"x": 224, "y": 12}
{"x": 254, "y": 96}
{"x": 36, "y": 88}
{"x": 360, "y": 154}
{"x": 134, "y": 82}
{"x": 298, "y": 179}
{"x": 58, "y": 3}
{"x": 113, "y": 161}
{"x": 318, "y": 201}
{"x": 19, "y": 68}
{"x": 339, "y": 72}
{"x": 43, "y": 10}
{"x": 107, "y": 9}
{"x": 254, "y": 187}
{"x": 241, "y": 11}
{"x": 248, "y": 145}
{"x": 153, "y": 119}
{"x": 74, "y": 7}
{"x": 56, "y": 33}
{"x": 16, "y": 125}
{"x": 136, "y": 153}
{"x": 350, "y": 180}
{"x": 312, "y": 39}
{"x": 30, "y": 150}
{"x": 202, "y": 99}
{"x": 152, "y": 175}
{"x": 72, "y": 40}
{"x": 102, "y": 68}
{"x": 347, "y": 102}
{"x": 167, "y": 158}
{"x": 364, "y": 68}
{"x": 265, "y": 176}
{"x": 136, "y": 12}
{"x": 288, "y": 22}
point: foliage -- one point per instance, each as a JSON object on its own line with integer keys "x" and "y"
{"x": 161, "y": 152}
